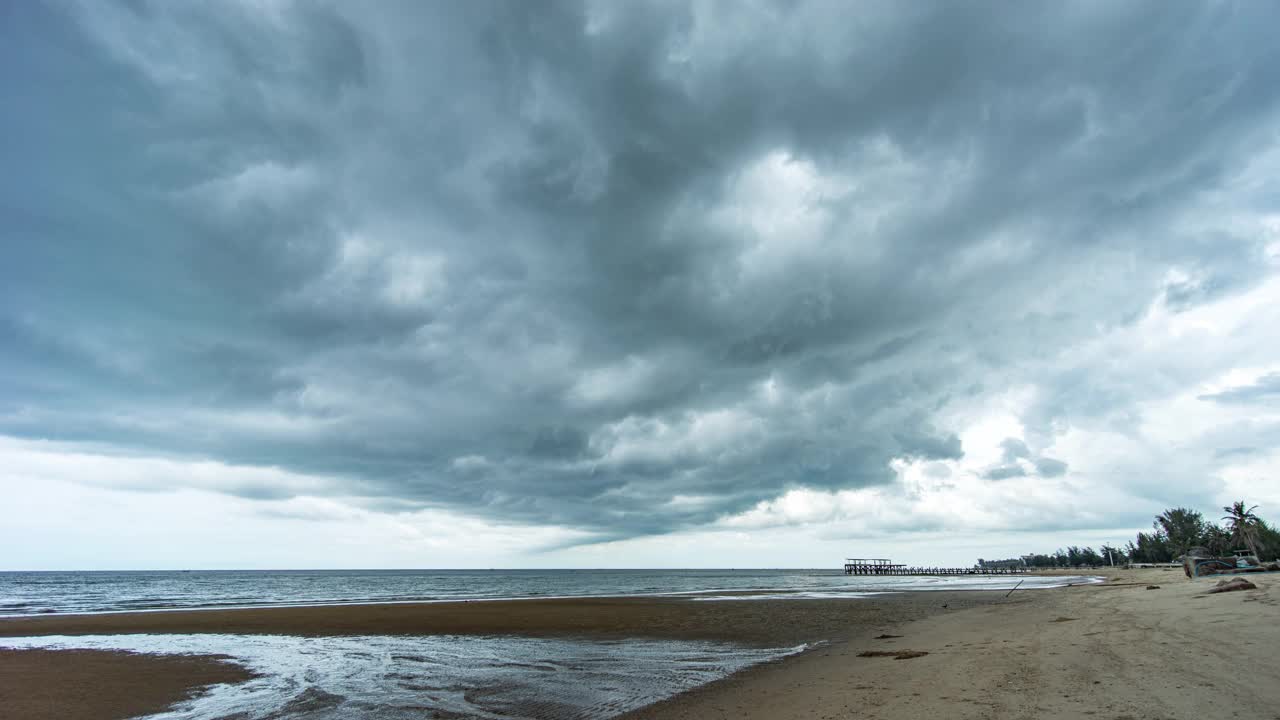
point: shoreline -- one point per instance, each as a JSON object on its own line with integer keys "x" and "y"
{"x": 1115, "y": 649}
{"x": 756, "y": 622}
{"x": 748, "y": 623}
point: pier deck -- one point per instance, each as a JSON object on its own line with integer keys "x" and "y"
{"x": 881, "y": 566}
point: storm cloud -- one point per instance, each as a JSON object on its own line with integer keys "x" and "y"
{"x": 630, "y": 268}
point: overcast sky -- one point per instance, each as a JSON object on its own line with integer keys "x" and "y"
{"x": 441, "y": 284}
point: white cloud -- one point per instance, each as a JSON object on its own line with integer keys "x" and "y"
{"x": 73, "y": 508}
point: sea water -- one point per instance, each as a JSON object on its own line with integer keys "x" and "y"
{"x": 28, "y": 593}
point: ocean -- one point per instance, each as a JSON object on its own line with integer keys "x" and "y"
{"x": 443, "y": 676}
{"x": 29, "y": 593}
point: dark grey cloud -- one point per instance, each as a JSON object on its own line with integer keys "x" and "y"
{"x": 567, "y": 263}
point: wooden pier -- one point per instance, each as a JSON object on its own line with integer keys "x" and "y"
{"x": 882, "y": 566}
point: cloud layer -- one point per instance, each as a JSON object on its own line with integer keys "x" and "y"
{"x": 634, "y": 269}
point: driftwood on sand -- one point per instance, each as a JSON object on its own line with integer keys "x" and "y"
{"x": 895, "y": 654}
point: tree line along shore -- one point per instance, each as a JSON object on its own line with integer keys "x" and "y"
{"x": 1175, "y": 532}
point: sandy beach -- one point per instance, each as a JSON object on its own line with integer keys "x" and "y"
{"x": 1116, "y": 650}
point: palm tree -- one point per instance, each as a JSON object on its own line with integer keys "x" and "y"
{"x": 1243, "y": 525}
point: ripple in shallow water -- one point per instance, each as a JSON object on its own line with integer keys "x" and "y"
{"x": 497, "y": 678}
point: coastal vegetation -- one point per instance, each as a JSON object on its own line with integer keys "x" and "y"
{"x": 1173, "y": 533}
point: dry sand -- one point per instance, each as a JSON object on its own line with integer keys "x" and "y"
{"x": 1116, "y": 651}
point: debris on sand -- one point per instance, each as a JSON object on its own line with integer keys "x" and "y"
{"x": 886, "y": 636}
{"x": 895, "y": 654}
{"x": 1199, "y": 562}
{"x": 1063, "y": 619}
{"x": 1153, "y": 587}
{"x": 1232, "y": 584}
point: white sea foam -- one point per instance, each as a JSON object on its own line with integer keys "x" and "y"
{"x": 496, "y": 678}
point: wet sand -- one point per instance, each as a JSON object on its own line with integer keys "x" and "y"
{"x": 773, "y": 623}
{"x": 94, "y": 684}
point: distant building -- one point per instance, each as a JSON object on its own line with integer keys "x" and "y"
{"x": 1001, "y": 564}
